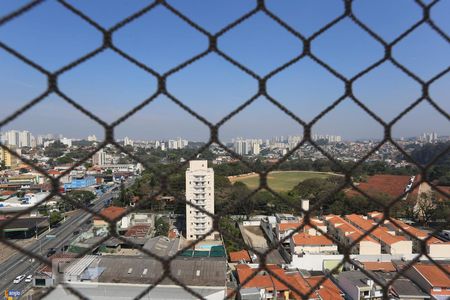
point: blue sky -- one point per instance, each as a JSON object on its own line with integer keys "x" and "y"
{"x": 110, "y": 86}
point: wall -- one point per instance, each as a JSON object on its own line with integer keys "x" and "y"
{"x": 439, "y": 250}
{"x": 313, "y": 262}
{"x": 314, "y": 249}
{"x": 369, "y": 248}
{"x": 402, "y": 247}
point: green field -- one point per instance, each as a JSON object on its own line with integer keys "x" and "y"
{"x": 280, "y": 181}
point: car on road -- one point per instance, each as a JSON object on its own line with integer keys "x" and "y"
{"x": 18, "y": 279}
{"x": 56, "y": 225}
{"x": 76, "y": 232}
{"x": 51, "y": 251}
{"x": 29, "y": 278}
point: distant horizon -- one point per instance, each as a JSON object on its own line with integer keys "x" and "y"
{"x": 109, "y": 86}
{"x": 100, "y": 137}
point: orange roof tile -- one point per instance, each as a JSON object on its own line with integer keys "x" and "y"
{"x": 390, "y": 185}
{"x": 237, "y": 256}
{"x": 379, "y": 266}
{"x": 111, "y": 212}
{"x": 327, "y": 290}
{"x": 434, "y": 275}
{"x": 348, "y": 230}
{"x": 294, "y": 225}
{"x": 380, "y": 232}
{"x": 301, "y": 239}
{"x": 265, "y": 280}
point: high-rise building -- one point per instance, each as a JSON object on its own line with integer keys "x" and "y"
{"x": 239, "y": 146}
{"x": 256, "y": 149}
{"x": 17, "y": 138}
{"x": 99, "y": 158}
{"x": 127, "y": 141}
{"x": 66, "y": 141}
{"x": 7, "y": 158}
{"x": 172, "y": 144}
{"x": 199, "y": 191}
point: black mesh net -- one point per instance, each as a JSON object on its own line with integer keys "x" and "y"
{"x": 214, "y": 128}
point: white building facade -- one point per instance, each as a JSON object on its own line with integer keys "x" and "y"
{"x": 199, "y": 191}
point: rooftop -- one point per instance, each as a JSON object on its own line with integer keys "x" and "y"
{"x": 145, "y": 270}
{"x": 238, "y": 256}
{"x": 390, "y": 185}
{"x": 402, "y": 287}
{"x": 305, "y": 239}
{"x": 435, "y": 276}
{"x": 379, "y": 266}
{"x": 111, "y": 212}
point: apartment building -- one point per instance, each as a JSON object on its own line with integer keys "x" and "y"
{"x": 282, "y": 230}
{"x": 304, "y": 243}
{"x": 436, "y": 248}
{"x": 390, "y": 243}
{"x": 9, "y": 159}
{"x": 349, "y": 234}
{"x": 199, "y": 191}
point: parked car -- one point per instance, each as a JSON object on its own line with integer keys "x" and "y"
{"x": 76, "y": 232}
{"x": 29, "y": 278}
{"x": 19, "y": 279}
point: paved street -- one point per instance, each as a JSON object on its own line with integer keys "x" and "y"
{"x": 20, "y": 264}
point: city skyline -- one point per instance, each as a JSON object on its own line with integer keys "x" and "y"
{"x": 109, "y": 86}
{"x": 314, "y": 136}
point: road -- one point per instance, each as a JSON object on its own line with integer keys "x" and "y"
{"x": 20, "y": 263}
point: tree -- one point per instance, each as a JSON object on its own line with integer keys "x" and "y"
{"x": 54, "y": 218}
{"x": 426, "y": 207}
{"x": 64, "y": 160}
{"x": 232, "y": 237}
{"x": 161, "y": 227}
{"x": 124, "y": 197}
{"x": 82, "y": 198}
{"x": 55, "y": 149}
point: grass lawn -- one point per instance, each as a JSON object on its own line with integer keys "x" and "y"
{"x": 280, "y": 181}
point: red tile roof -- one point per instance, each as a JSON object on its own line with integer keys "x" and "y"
{"x": 348, "y": 230}
{"x": 379, "y": 266}
{"x": 380, "y": 232}
{"x": 304, "y": 239}
{"x": 435, "y": 276}
{"x": 327, "y": 290}
{"x": 390, "y": 185}
{"x": 111, "y": 212}
{"x": 238, "y": 256}
{"x": 138, "y": 231}
{"x": 264, "y": 280}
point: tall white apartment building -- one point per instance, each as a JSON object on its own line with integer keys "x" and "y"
{"x": 66, "y": 141}
{"x": 127, "y": 141}
{"x": 99, "y": 158}
{"x": 17, "y": 138}
{"x": 256, "y": 149}
{"x": 199, "y": 191}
